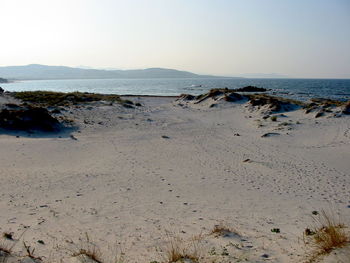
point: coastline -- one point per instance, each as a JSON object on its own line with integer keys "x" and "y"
{"x": 130, "y": 174}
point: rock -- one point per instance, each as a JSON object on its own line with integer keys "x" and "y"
{"x": 2, "y": 90}
{"x": 251, "y": 89}
{"x": 28, "y": 118}
{"x": 269, "y": 134}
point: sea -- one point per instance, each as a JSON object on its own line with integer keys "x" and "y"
{"x": 300, "y": 89}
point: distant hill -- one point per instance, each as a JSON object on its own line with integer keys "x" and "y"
{"x": 264, "y": 76}
{"x": 35, "y": 71}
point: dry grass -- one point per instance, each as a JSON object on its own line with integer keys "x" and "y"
{"x": 328, "y": 102}
{"x": 92, "y": 254}
{"x": 180, "y": 251}
{"x": 327, "y": 235}
{"x": 88, "y": 251}
{"x": 30, "y": 252}
{"x": 5, "y": 252}
{"x": 273, "y": 99}
{"x": 223, "y": 231}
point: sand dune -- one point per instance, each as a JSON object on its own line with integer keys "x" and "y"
{"x": 173, "y": 165}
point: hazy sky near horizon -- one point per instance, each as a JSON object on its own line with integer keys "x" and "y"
{"x": 297, "y": 38}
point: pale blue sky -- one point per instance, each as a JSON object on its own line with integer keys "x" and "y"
{"x": 299, "y": 38}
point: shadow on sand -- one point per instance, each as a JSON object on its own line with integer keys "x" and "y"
{"x": 62, "y": 132}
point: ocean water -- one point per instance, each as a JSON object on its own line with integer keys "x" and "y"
{"x": 301, "y": 89}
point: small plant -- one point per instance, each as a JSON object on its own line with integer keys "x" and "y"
{"x": 4, "y": 252}
{"x": 88, "y": 250}
{"x": 273, "y": 118}
{"x": 222, "y": 230}
{"x": 212, "y": 251}
{"x": 275, "y": 230}
{"x": 225, "y": 252}
{"x": 30, "y": 252}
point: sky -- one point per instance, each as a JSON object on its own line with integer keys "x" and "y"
{"x": 297, "y": 38}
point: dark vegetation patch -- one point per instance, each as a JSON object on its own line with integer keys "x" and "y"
{"x": 275, "y": 104}
{"x": 323, "y": 106}
{"x": 250, "y": 89}
{"x": 28, "y": 118}
{"x": 346, "y": 109}
{"x": 232, "y": 97}
{"x": 269, "y": 103}
{"x": 49, "y": 98}
{"x": 327, "y": 102}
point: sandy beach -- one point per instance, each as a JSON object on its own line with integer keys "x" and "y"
{"x": 134, "y": 178}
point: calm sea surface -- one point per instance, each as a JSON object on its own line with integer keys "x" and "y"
{"x": 301, "y": 89}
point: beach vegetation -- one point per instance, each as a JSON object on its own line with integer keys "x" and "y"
{"x": 178, "y": 250}
{"x": 275, "y": 230}
{"x": 223, "y": 231}
{"x": 30, "y": 252}
{"x": 273, "y": 118}
{"x": 326, "y": 235}
{"x": 5, "y": 252}
{"x": 88, "y": 251}
{"x": 50, "y": 98}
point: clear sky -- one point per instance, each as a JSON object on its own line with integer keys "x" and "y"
{"x": 299, "y": 38}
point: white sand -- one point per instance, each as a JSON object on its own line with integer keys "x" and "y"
{"x": 125, "y": 185}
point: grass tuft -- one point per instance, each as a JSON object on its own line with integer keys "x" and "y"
{"x": 223, "y": 230}
{"x": 88, "y": 250}
{"x": 30, "y": 252}
{"x": 180, "y": 251}
{"x": 328, "y": 235}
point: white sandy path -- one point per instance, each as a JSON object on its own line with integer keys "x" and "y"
{"x": 126, "y": 183}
